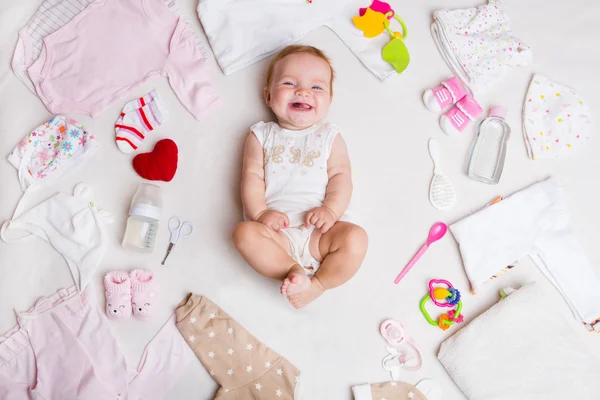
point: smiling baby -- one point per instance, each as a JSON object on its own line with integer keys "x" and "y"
{"x": 297, "y": 185}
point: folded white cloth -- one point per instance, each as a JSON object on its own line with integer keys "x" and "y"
{"x": 520, "y": 349}
{"x": 244, "y": 32}
{"x": 533, "y": 222}
{"x": 478, "y": 45}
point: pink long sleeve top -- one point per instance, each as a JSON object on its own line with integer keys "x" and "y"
{"x": 113, "y": 46}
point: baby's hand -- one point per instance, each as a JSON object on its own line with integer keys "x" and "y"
{"x": 321, "y": 217}
{"x": 273, "y": 219}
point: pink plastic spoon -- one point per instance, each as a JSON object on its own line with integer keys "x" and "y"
{"x": 437, "y": 231}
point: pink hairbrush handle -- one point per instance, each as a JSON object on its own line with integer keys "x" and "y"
{"x": 412, "y": 263}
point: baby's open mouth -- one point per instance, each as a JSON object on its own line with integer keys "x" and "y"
{"x": 301, "y": 106}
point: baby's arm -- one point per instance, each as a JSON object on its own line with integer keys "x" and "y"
{"x": 339, "y": 188}
{"x": 253, "y": 187}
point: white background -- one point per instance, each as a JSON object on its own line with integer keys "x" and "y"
{"x": 335, "y": 342}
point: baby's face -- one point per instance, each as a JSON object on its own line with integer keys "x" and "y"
{"x": 299, "y": 93}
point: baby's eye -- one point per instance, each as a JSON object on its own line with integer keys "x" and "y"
{"x": 147, "y": 304}
{"x": 317, "y": 88}
{"x": 288, "y": 83}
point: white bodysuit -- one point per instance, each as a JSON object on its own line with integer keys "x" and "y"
{"x": 242, "y": 32}
{"x": 296, "y": 178}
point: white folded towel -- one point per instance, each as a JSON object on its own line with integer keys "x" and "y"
{"x": 521, "y": 349}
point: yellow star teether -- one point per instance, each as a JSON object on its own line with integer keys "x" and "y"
{"x": 371, "y": 23}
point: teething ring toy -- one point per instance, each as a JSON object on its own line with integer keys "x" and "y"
{"x": 443, "y": 297}
{"x": 373, "y": 20}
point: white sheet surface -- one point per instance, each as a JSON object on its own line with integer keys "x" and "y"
{"x": 335, "y": 342}
{"x": 521, "y": 350}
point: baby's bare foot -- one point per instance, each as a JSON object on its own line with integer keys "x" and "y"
{"x": 295, "y": 282}
{"x": 306, "y": 297}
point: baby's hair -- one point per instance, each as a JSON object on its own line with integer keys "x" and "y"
{"x": 293, "y": 49}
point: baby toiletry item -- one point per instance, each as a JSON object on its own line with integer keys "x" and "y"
{"x": 142, "y": 225}
{"x": 393, "y": 332}
{"x": 179, "y": 229}
{"x": 437, "y": 231}
{"x": 478, "y": 44}
{"x": 449, "y": 92}
{"x": 160, "y": 164}
{"x": 144, "y": 293}
{"x": 441, "y": 191}
{"x": 489, "y": 151}
{"x": 443, "y": 297}
{"x": 556, "y": 120}
{"x": 117, "y": 286}
{"x": 373, "y": 21}
{"x": 455, "y": 120}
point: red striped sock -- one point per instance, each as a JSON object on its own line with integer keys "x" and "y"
{"x": 139, "y": 117}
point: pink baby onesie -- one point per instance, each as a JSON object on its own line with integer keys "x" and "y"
{"x": 113, "y": 46}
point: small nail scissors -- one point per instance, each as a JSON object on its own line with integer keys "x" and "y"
{"x": 179, "y": 230}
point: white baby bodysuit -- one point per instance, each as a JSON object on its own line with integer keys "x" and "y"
{"x": 242, "y": 32}
{"x": 295, "y": 167}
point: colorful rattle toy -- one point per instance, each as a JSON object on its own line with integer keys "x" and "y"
{"x": 373, "y": 21}
{"x": 443, "y": 297}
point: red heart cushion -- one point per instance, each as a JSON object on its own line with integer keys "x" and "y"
{"x": 160, "y": 164}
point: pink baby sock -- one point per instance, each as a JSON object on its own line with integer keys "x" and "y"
{"x": 455, "y": 120}
{"x": 144, "y": 293}
{"x": 449, "y": 92}
{"x": 118, "y": 294}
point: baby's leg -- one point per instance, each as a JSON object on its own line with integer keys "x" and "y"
{"x": 342, "y": 250}
{"x": 267, "y": 251}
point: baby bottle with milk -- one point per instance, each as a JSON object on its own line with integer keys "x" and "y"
{"x": 144, "y": 214}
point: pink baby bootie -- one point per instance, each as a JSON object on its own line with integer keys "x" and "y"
{"x": 144, "y": 293}
{"x": 118, "y": 294}
{"x": 449, "y": 92}
{"x": 455, "y": 120}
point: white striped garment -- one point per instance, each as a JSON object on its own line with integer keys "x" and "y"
{"x": 50, "y": 17}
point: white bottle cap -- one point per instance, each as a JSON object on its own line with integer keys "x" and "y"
{"x": 145, "y": 210}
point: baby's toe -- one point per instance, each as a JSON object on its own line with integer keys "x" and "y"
{"x": 284, "y": 286}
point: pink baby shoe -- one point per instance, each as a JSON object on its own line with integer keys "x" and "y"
{"x": 455, "y": 120}
{"x": 449, "y": 92}
{"x": 144, "y": 293}
{"x": 118, "y": 294}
